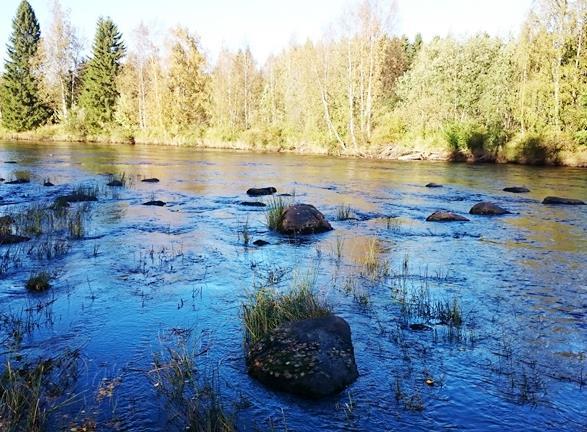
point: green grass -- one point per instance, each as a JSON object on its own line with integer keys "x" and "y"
{"x": 344, "y": 212}
{"x": 191, "y": 395}
{"x": 39, "y": 282}
{"x": 266, "y": 308}
{"x": 275, "y": 212}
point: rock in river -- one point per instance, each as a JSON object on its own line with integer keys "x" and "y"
{"x": 303, "y": 219}
{"x": 562, "y": 201}
{"x": 150, "y": 180}
{"x": 9, "y": 239}
{"x": 312, "y": 358}
{"x": 253, "y": 204}
{"x": 261, "y": 191}
{"x": 488, "y": 209}
{"x": 433, "y": 185}
{"x": 115, "y": 183}
{"x": 516, "y": 189}
{"x": 260, "y": 243}
{"x": 444, "y": 216}
{"x": 155, "y": 203}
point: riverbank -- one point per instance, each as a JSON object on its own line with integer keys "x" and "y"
{"x": 522, "y": 150}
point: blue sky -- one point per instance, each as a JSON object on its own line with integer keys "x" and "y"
{"x": 269, "y": 25}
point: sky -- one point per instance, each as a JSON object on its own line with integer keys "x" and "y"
{"x": 267, "y": 26}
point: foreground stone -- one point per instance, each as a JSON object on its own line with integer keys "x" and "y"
{"x": 155, "y": 203}
{"x": 433, "y": 185}
{"x": 444, "y": 216}
{"x": 150, "y": 180}
{"x": 312, "y": 358}
{"x": 562, "y": 201}
{"x": 253, "y": 204}
{"x": 516, "y": 189}
{"x": 261, "y": 191}
{"x": 488, "y": 209}
{"x": 10, "y": 239}
{"x": 303, "y": 219}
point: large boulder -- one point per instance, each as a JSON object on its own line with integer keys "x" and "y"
{"x": 445, "y": 216}
{"x": 303, "y": 219}
{"x": 562, "y": 201}
{"x": 312, "y": 358}
{"x": 516, "y": 189}
{"x": 261, "y": 191}
{"x": 488, "y": 209}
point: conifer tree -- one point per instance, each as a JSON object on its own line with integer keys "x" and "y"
{"x": 99, "y": 93}
{"x": 21, "y": 105}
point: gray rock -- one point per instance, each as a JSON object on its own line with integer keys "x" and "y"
{"x": 303, "y": 219}
{"x": 516, "y": 189}
{"x": 562, "y": 201}
{"x": 433, "y": 185}
{"x": 312, "y": 358}
{"x": 445, "y": 216}
{"x": 261, "y": 191}
{"x": 488, "y": 209}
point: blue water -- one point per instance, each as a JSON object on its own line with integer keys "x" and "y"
{"x": 517, "y": 363}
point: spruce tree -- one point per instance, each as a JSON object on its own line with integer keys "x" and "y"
{"x": 21, "y": 105}
{"x": 99, "y": 93}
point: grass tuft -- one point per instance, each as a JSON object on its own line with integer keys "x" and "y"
{"x": 266, "y": 309}
{"x": 39, "y": 282}
{"x": 275, "y": 212}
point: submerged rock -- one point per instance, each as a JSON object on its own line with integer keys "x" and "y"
{"x": 312, "y": 358}
{"x": 433, "y": 185}
{"x": 65, "y": 200}
{"x": 48, "y": 184}
{"x": 444, "y": 216}
{"x": 155, "y": 203}
{"x": 150, "y": 180}
{"x": 516, "y": 189}
{"x": 261, "y": 243}
{"x": 303, "y": 219}
{"x": 562, "y": 201}
{"x": 10, "y": 162}
{"x": 253, "y": 204}
{"x": 488, "y": 209}
{"x": 261, "y": 191}
{"x": 9, "y": 239}
{"x": 18, "y": 181}
{"x": 115, "y": 183}
{"x": 420, "y": 327}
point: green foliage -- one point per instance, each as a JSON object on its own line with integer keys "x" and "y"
{"x": 21, "y": 104}
{"x": 581, "y": 138}
{"x": 99, "y": 92}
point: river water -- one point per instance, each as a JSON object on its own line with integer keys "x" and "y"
{"x": 142, "y": 275}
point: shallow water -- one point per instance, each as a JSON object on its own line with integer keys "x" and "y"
{"x": 517, "y": 362}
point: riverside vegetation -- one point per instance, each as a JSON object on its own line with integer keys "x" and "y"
{"x": 359, "y": 91}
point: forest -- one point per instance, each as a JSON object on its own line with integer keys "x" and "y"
{"x": 360, "y": 90}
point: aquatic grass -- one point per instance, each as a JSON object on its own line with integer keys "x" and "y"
{"x": 192, "y": 395}
{"x": 373, "y": 262}
{"x": 266, "y": 308}
{"x": 275, "y": 212}
{"x": 344, "y": 212}
{"x": 244, "y": 235}
{"x": 30, "y": 390}
{"x": 39, "y": 282}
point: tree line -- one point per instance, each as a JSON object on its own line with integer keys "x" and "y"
{"x": 358, "y": 90}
